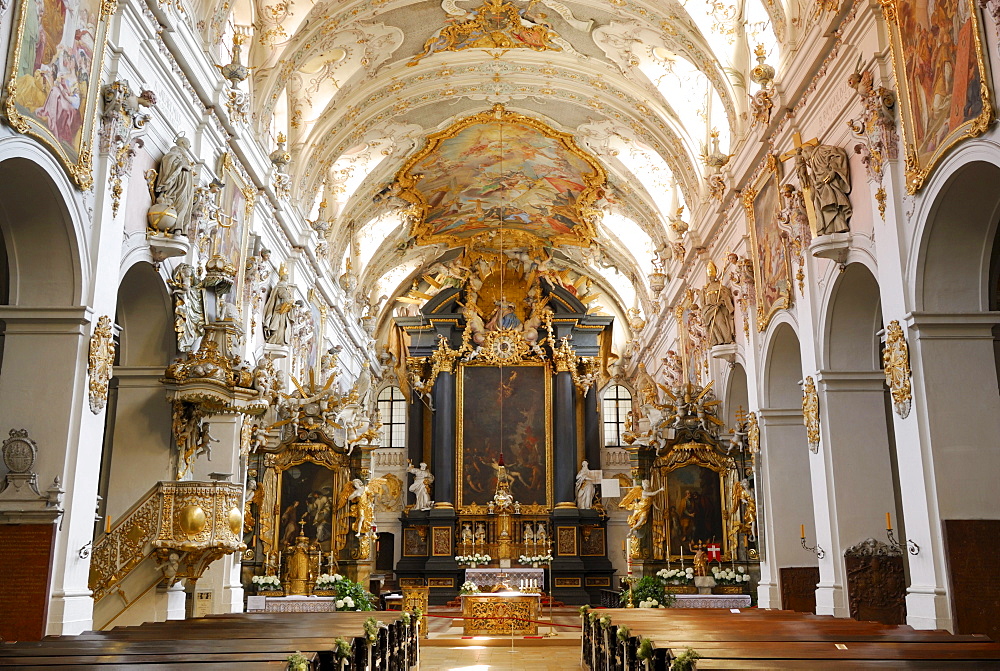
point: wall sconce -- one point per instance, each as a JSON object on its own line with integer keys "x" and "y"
{"x": 911, "y": 547}
{"x": 815, "y": 549}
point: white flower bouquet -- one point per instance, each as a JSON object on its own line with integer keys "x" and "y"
{"x": 327, "y": 581}
{"x": 266, "y": 583}
{"x": 652, "y": 603}
{"x": 474, "y": 559}
{"x": 535, "y": 559}
{"x": 468, "y": 587}
{"x": 725, "y": 576}
{"x": 347, "y": 603}
{"x": 676, "y": 576}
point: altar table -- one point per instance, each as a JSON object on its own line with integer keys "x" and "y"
{"x": 712, "y": 601}
{"x": 295, "y": 604}
{"x": 487, "y": 578}
{"x": 483, "y": 614}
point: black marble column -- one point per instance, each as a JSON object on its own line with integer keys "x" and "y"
{"x": 443, "y": 438}
{"x": 414, "y": 435}
{"x": 564, "y": 432}
{"x": 592, "y": 438}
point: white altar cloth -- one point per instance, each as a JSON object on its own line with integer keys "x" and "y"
{"x": 296, "y": 604}
{"x": 487, "y": 578}
{"x": 712, "y": 601}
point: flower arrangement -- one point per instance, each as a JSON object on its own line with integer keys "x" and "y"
{"x": 371, "y": 630}
{"x": 729, "y": 576}
{"x": 327, "y": 581}
{"x": 535, "y": 560}
{"x": 468, "y": 587}
{"x": 474, "y": 560}
{"x": 266, "y": 583}
{"x": 341, "y": 648}
{"x": 676, "y": 576}
{"x": 649, "y": 592}
{"x": 349, "y": 594}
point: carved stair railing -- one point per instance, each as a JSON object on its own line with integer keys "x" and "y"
{"x": 173, "y": 532}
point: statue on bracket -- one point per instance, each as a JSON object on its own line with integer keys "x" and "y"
{"x": 175, "y": 183}
{"x": 278, "y": 311}
{"x": 639, "y": 500}
{"x": 718, "y": 309}
{"x": 824, "y": 169}
{"x": 189, "y": 307}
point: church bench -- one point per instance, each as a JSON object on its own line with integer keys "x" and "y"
{"x": 778, "y": 664}
{"x": 166, "y": 666}
{"x": 175, "y": 657}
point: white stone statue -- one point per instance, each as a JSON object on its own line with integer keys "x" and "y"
{"x": 278, "y": 311}
{"x": 189, "y": 307}
{"x": 718, "y": 309}
{"x": 586, "y": 479}
{"x": 422, "y": 478}
{"x": 541, "y": 536}
{"x": 175, "y": 182}
{"x": 830, "y": 179}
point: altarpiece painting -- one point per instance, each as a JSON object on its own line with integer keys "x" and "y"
{"x": 512, "y": 404}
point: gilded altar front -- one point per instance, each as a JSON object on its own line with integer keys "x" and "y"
{"x": 500, "y": 614}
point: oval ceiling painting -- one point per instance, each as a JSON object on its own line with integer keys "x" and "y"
{"x": 501, "y": 166}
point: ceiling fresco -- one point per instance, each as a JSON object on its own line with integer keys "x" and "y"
{"x": 501, "y": 166}
{"x": 617, "y": 104}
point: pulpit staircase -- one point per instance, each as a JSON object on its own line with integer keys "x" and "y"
{"x": 173, "y": 532}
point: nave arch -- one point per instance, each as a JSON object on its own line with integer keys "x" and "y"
{"x": 948, "y": 455}
{"x": 137, "y": 442}
{"x": 783, "y": 486}
{"x": 855, "y": 467}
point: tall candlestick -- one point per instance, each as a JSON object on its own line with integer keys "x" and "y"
{"x": 888, "y": 522}
{"x": 107, "y": 523}
{"x": 802, "y": 531}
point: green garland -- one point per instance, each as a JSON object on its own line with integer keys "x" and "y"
{"x": 341, "y": 648}
{"x": 298, "y": 662}
{"x": 685, "y": 661}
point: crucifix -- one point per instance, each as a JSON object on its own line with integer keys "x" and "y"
{"x": 804, "y": 180}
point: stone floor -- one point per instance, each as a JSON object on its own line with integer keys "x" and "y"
{"x": 447, "y": 650}
{"x": 483, "y": 658}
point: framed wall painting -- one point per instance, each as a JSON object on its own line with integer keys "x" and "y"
{"x": 510, "y": 404}
{"x": 937, "y": 54}
{"x": 771, "y": 264}
{"x": 53, "y": 83}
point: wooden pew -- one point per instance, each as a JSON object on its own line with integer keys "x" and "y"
{"x": 774, "y": 639}
{"x": 240, "y": 641}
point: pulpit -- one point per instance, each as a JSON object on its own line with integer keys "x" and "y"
{"x": 500, "y": 614}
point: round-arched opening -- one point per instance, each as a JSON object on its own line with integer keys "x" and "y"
{"x": 954, "y": 263}
{"x": 40, "y": 258}
{"x": 854, "y": 318}
{"x": 783, "y": 370}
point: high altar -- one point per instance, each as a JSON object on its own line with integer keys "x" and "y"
{"x": 503, "y": 398}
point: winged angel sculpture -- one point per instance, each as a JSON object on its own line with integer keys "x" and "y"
{"x": 639, "y": 500}
{"x": 357, "y": 499}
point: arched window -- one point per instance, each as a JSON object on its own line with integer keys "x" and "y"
{"x": 392, "y": 407}
{"x": 615, "y": 406}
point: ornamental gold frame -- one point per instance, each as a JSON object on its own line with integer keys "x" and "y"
{"x": 784, "y": 301}
{"x": 728, "y": 553}
{"x": 594, "y": 182}
{"x": 82, "y": 170}
{"x": 917, "y": 174}
{"x": 460, "y": 427}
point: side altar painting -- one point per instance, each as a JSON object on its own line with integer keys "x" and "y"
{"x": 515, "y": 398}
{"x": 55, "y": 70}
{"x": 771, "y": 262}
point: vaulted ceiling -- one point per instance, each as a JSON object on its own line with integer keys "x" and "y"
{"x": 359, "y": 86}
